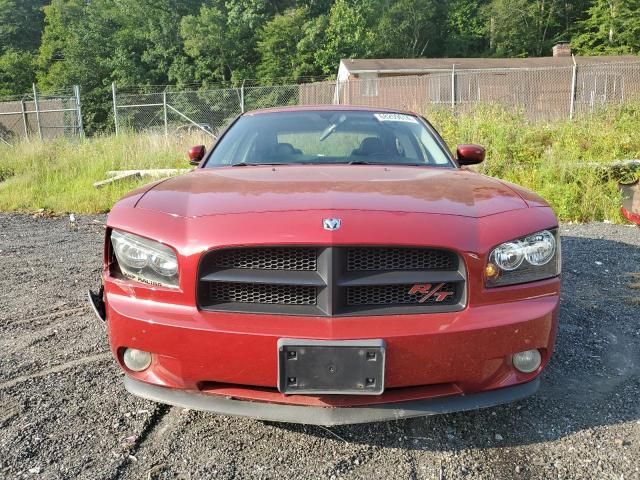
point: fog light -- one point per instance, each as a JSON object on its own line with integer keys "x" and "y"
{"x": 527, "y": 361}
{"x": 136, "y": 360}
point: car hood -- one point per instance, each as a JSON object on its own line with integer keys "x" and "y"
{"x": 252, "y": 189}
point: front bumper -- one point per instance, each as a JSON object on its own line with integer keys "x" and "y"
{"x": 436, "y": 363}
{"x": 329, "y": 416}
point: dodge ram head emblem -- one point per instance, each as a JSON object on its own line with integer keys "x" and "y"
{"x": 331, "y": 223}
{"x": 427, "y": 291}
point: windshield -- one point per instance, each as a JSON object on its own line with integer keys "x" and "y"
{"x": 334, "y": 137}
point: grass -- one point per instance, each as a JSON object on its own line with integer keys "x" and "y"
{"x": 549, "y": 157}
{"x": 545, "y": 157}
{"x": 58, "y": 176}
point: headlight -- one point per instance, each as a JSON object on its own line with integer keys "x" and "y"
{"x": 144, "y": 260}
{"x": 526, "y": 259}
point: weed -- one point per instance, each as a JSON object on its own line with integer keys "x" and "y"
{"x": 559, "y": 160}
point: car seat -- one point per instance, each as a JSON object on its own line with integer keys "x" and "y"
{"x": 369, "y": 146}
{"x": 287, "y": 149}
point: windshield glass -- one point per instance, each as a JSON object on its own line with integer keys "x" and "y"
{"x": 334, "y": 137}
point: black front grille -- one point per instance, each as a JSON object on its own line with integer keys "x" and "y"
{"x": 225, "y": 292}
{"x": 399, "y": 295}
{"x": 331, "y": 280}
{"x": 268, "y": 258}
{"x": 385, "y": 259}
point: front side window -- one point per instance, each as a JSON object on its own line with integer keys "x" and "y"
{"x": 329, "y": 137}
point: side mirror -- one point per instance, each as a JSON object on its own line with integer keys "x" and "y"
{"x": 196, "y": 154}
{"x": 470, "y": 154}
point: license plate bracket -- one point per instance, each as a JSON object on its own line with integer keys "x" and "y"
{"x": 342, "y": 367}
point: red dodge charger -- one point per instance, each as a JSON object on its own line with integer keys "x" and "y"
{"x": 331, "y": 265}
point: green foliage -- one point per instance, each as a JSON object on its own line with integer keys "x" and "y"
{"x": 59, "y": 176}
{"x": 16, "y": 72}
{"x": 208, "y": 42}
{"x": 221, "y": 40}
{"x": 465, "y": 29}
{"x": 349, "y": 33}
{"x": 554, "y": 159}
{"x": 286, "y": 44}
{"x": 21, "y": 23}
{"x": 412, "y": 28}
{"x": 209, "y": 45}
{"x": 132, "y": 42}
{"x": 522, "y": 28}
{"x": 612, "y": 27}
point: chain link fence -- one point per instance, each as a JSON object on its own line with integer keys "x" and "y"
{"x": 41, "y": 116}
{"x": 537, "y": 93}
{"x": 207, "y": 111}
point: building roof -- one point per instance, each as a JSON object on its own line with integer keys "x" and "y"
{"x": 418, "y": 65}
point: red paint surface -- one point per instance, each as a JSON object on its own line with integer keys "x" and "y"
{"x": 428, "y": 355}
{"x": 470, "y": 154}
{"x": 196, "y": 153}
{"x": 400, "y": 189}
{"x": 632, "y": 217}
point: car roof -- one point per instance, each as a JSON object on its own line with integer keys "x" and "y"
{"x": 313, "y": 108}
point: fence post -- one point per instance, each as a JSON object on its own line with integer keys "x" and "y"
{"x": 574, "y": 81}
{"x": 24, "y": 119}
{"x": 35, "y": 101}
{"x": 76, "y": 91}
{"x": 115, "y": 106}
{"x": 242, "y": 97}
{"x": 166, "y": 115}
{"x": 453, "y": 87}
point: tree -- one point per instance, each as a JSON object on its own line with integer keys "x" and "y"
{"x": 70, "y": 47}
{"x": 76, "y": 50}
{"x": 349, "y": 33}
{"x": 611, "y": 27}
{"x": 147, "y": 41}
{"x": 16, "y": 72}
{"x": 207, "y": 43}
{"x": 21, "y": 23}
{"x": 411, "y": 28}
{"x": 520, "y": 28}
{"x": 466, "y": 33}
{"x": 132, "y": 42}
{"x": 221, "y": 40}
{"x": 152, "y": 42}
{"x": 286, "y": 45}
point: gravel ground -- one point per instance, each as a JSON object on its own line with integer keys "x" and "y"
{"x": 65, "y": 414}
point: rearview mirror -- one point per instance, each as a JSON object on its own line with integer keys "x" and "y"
{"x": 470, "y": 154}
{"x": 196, "y": 154}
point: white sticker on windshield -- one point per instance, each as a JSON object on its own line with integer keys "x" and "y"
{"x": 395, "y": 117}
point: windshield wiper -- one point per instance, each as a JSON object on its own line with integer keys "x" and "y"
{"x": 393, "y": 164}
{"x": 251, "y": 164}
